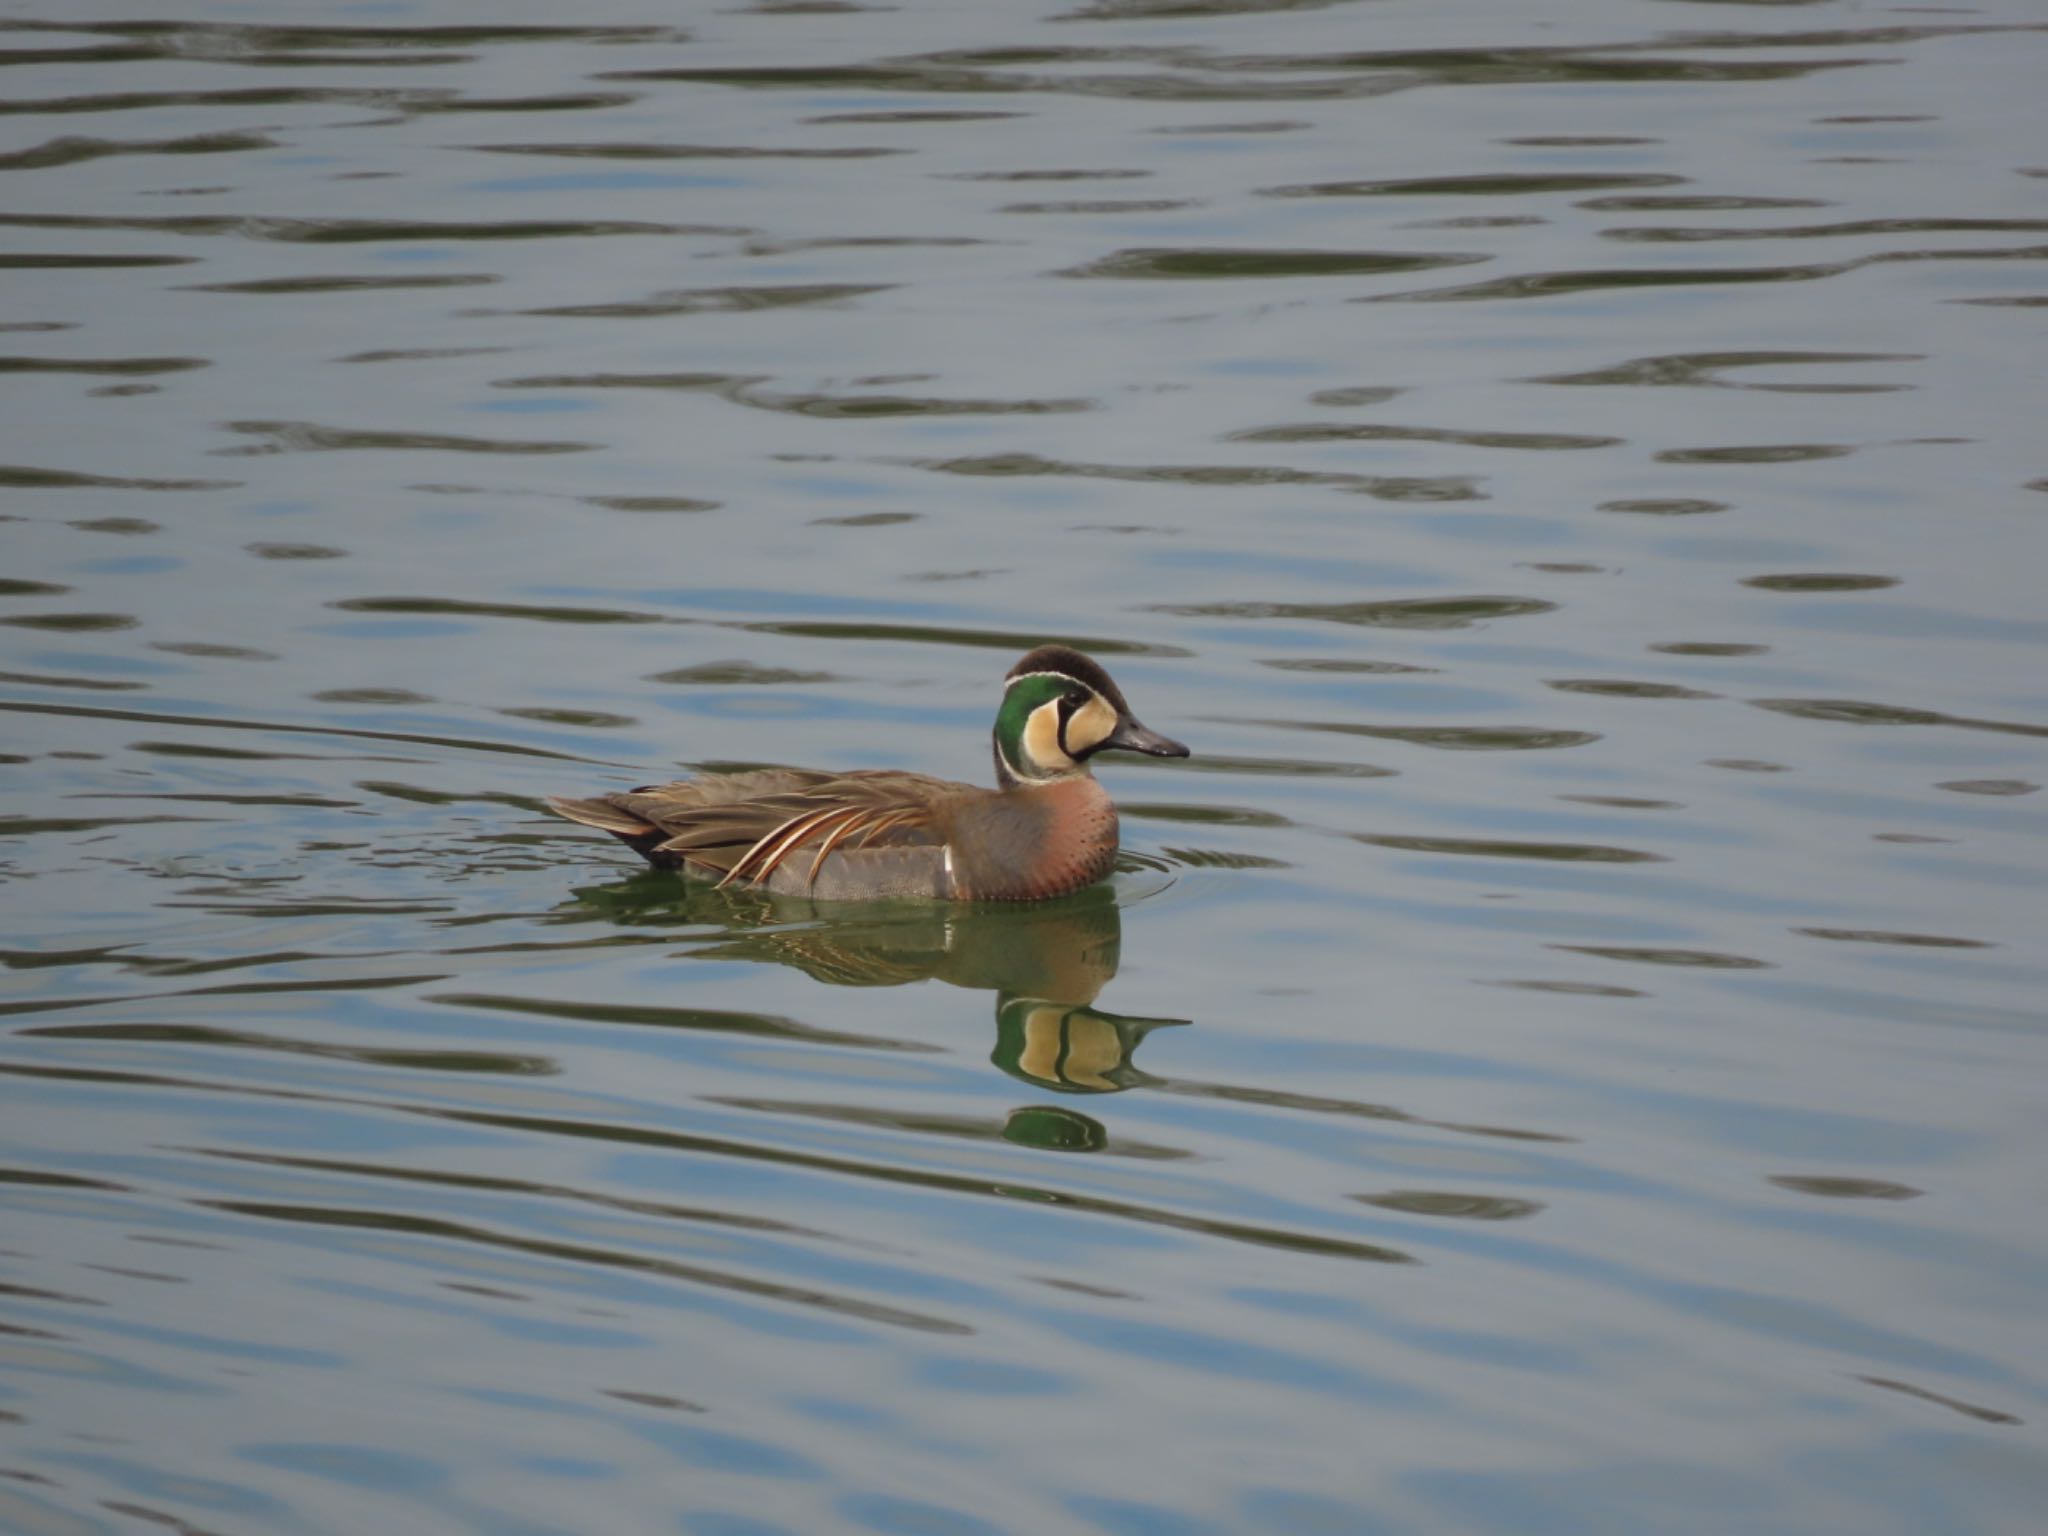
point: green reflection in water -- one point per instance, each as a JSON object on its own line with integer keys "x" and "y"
{"x": 1046, "y": 963}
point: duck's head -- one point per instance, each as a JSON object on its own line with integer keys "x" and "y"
{"x": 1060, "y": 709}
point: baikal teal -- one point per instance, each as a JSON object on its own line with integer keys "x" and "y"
{"x": 1047, "y": 830}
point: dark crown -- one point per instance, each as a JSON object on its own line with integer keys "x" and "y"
{"x": 1068, "y": 662}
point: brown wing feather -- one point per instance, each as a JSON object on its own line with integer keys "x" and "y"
{"x": 740, "y": 828}
{"x": 760, "y": 861}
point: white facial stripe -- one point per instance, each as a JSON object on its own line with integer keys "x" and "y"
{"x": 1042, "y": 743}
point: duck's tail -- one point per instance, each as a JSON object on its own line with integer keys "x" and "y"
{"x": 643, "y": 837}
{"x": 601, "y": 814}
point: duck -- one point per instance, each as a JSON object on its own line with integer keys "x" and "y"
{"x": 1046, "y": 830}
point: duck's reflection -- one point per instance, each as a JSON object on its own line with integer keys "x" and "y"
{"x": 1046, "y": 963}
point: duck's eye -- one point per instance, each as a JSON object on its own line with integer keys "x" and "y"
{"x": 1076, "y": 698}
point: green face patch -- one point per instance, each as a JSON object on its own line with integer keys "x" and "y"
{"x": 1020, "y": 699}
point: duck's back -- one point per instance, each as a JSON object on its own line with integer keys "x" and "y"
{"x": 835, "y": 836}
{"x": 867, "y": 834}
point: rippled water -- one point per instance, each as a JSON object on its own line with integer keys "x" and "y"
{"x": 1563, "y": 1056}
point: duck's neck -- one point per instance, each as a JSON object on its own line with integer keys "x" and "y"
{"x": 1010, "y": 775}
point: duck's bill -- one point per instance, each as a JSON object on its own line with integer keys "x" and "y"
{"x": 1129, "y": 736}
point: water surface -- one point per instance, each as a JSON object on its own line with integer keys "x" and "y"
{"x": 1561, "y": 1056}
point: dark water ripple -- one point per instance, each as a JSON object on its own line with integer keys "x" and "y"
{"x": 1214, "y": 262}
{"x": 1575, "y": 1016}
{"x": 354, "y": 231}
